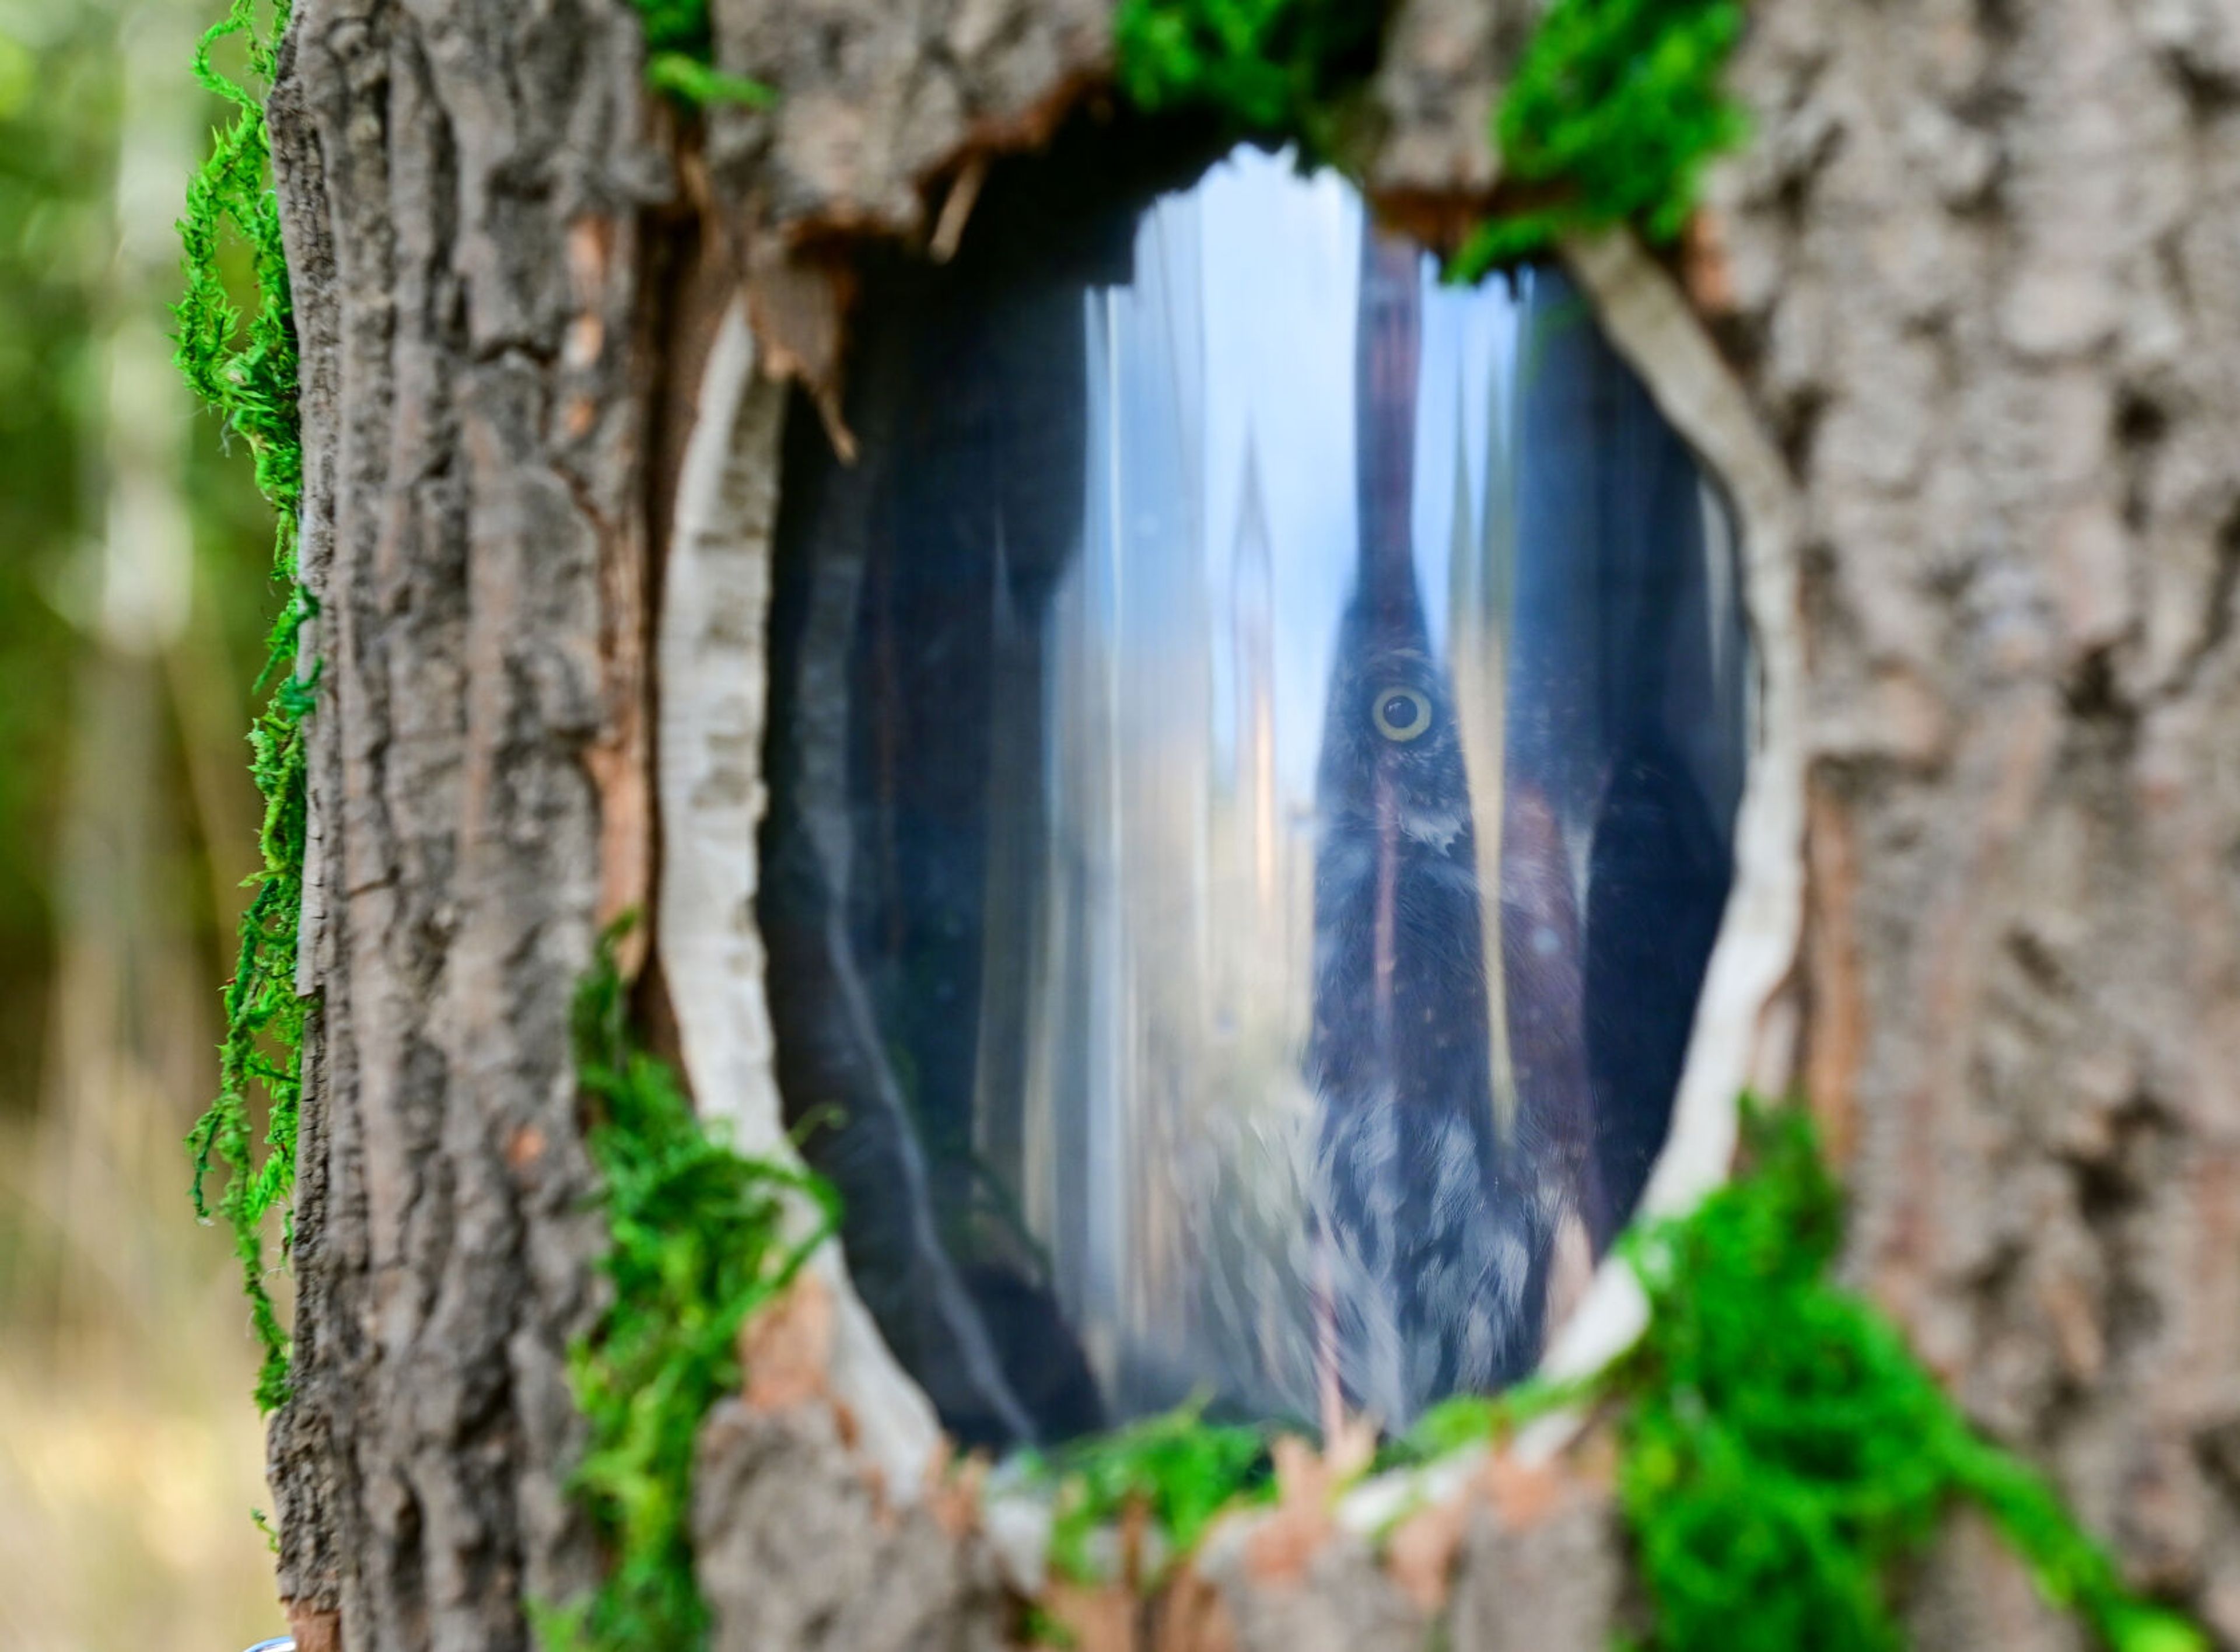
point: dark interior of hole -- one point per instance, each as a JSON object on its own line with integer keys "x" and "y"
{"x": 910, "y": 698}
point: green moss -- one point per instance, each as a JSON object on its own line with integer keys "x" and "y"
{"x": 679, "y": 26}
{"x": 1468, "y": 1419}
{"x": 1782, "y": 1450}
{"x": 699, "y": 1243}
{"x": 681, "y": 57}
{"x": 1175, "y": 1472}
{"x": 690, "y": 80}
{"x": 1611, "y": 117}
{"x": 244, "y": 369}
{"x": 1272, "y": 67}
{"x": 1611, "y": 113}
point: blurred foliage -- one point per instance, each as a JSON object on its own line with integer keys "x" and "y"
{"x": 58, "y": 99}
{"x": 61, "y": 94}
{"x": 699, "y": 1243}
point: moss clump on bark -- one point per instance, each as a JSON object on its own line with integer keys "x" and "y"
{"x": 699, "y": 1243}
{"x": 1781, "y": 1450}
{"x": 244, "y": 369}
{"x": 1272, "y": 67}
{"x": 1611, "y": 117}
{"x": 1175, "y": 1473}
{"x": 681, "y": 57}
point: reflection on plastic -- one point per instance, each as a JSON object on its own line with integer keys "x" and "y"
{"x": 1256, "y": 742}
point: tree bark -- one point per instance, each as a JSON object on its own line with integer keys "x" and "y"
{"x": 1984, "y": 270}
{"x": 1974, "y": 287}
{"x": 465, "y": 187}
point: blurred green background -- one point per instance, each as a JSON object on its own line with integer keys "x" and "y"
{"x": 133, "y": 600}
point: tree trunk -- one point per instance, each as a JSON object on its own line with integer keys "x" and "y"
{"x": 1984, "y": 265}
{"x": 465, "y": 188}
{"x": 1974, "y": 287}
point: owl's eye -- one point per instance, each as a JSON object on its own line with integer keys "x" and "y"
{"x": 1402, "y": 714}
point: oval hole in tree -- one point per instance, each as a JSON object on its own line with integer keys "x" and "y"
{"x": 1256, "y": 746}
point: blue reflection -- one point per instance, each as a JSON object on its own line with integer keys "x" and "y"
{"x": 1256, "y": 742}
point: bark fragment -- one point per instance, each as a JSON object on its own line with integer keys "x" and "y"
{"x": 713, "y": 674}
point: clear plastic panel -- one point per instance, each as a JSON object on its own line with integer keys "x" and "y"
{"x": 1257, "y": 739}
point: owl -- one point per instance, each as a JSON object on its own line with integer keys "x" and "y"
{"x": 1433, "y": 1225}
{"x": 1433, "y": 1220}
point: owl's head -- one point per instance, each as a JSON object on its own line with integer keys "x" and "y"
{"x": 1391, "y": 741}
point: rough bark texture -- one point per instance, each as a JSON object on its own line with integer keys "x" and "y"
{"x": 1985, "y": 262}
{"x": 780, "y": 1496}
{"x": 1979, "y": 273}
{"x": 462, "y": 182}
{"x": 877, "y": 102}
